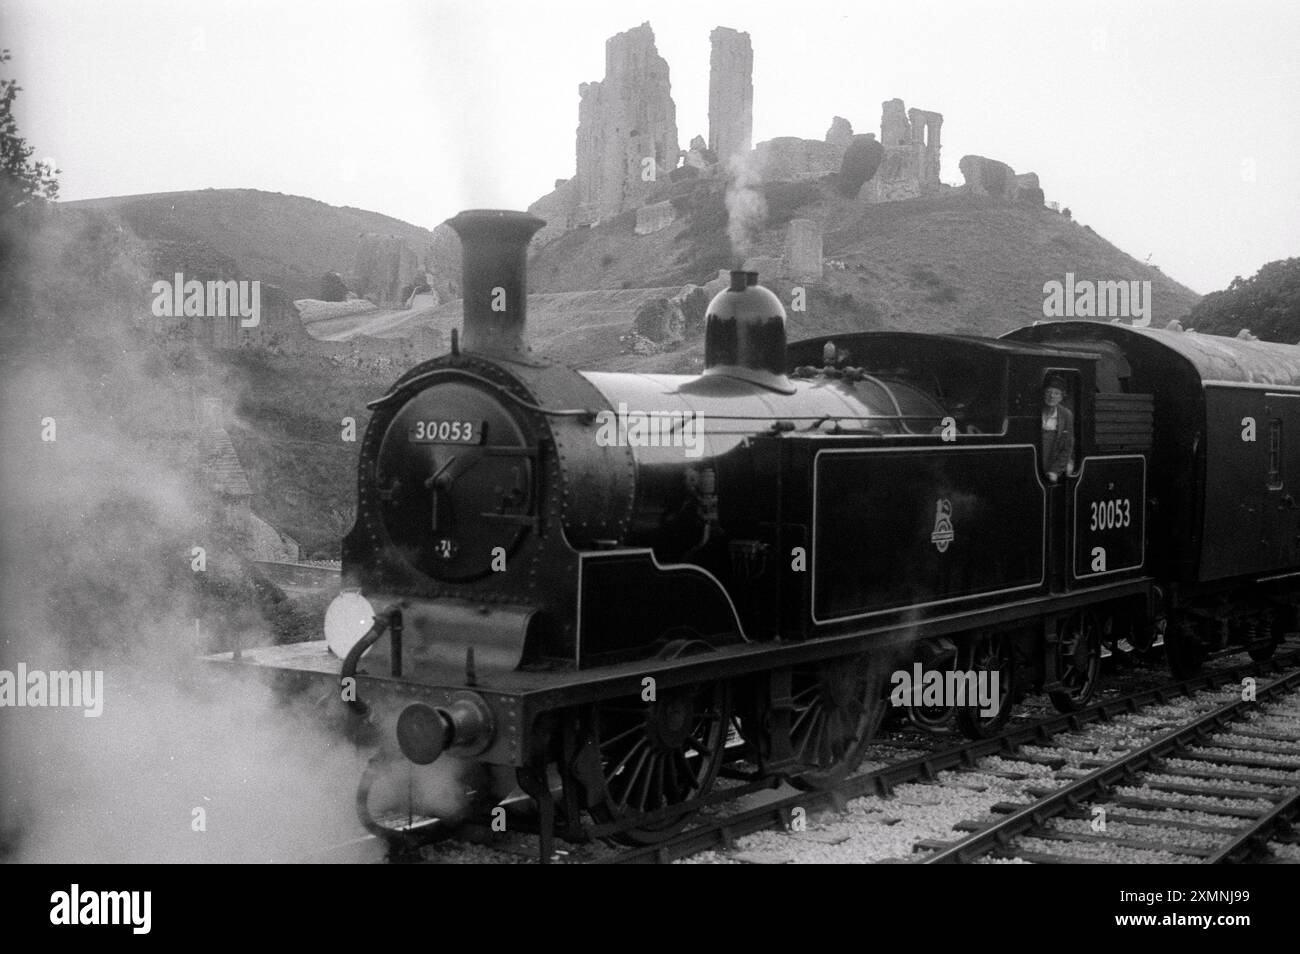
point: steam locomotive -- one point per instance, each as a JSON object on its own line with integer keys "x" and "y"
{"x": 607, "y": 590}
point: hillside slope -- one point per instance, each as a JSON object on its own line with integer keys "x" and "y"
{"x": 955, "y": 263}
{"x": 284, "y": 240}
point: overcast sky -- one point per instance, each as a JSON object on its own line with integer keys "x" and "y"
{"x": 1172, "y": 128}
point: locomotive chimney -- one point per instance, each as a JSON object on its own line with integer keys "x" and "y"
{"x": 494, "y": 253}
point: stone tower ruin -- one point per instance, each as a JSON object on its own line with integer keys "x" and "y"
{"x": 731, "y": 93}
{"x": 624, "y": 120}
{"x": 910, "y": 168}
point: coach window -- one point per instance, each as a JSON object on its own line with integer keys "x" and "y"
{"x": 1275, "y": 454}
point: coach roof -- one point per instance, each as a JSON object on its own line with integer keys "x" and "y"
{"x": 1214, "y": 358}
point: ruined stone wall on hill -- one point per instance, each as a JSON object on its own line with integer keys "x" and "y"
{"x": 910, "y": 168}
{"x": 789, "y": 158}
{"x": 998, "y": 180}
{"x": 627, "y": 144}
{"x": 627, "y": 128}
{"x": 841, "y": 132}
{"x": 803, "y": 250}
{"x": 652, "y": 218}
{"x": 731, "y": 93}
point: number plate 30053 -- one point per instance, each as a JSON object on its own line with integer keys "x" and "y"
{"x": 446, "y": 432}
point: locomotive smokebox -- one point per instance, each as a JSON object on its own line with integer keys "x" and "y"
{"x": 744, "y": 334}
{"x": 494, "y": 254}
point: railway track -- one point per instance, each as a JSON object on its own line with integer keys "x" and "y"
{"x": 722, "y": 832}
{"x": 1239, "y": 764}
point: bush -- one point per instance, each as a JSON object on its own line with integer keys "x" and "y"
{"x": 784, "y": 199}
{"x": 861, "y": 160}
{"x": 332, "y": 287}
{"x": 940, "y": 291}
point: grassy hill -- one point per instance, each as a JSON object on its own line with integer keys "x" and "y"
{"x": 951, "y": 263}
{"x": 284, "y": 240}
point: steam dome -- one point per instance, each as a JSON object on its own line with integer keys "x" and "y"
{"x": 744, "y": 334}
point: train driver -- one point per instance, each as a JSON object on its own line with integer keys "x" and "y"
{"x": 1058, "y": 429}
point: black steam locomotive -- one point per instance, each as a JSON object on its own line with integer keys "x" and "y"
{"x": 605, "y": 589}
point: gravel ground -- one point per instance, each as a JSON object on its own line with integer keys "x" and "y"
{"x": 1285, "y": 853}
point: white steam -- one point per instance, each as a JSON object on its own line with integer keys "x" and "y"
{"x": 96, "y": 530}
{"x": 746, "y": 207}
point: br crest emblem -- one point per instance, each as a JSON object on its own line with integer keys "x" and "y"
{"x": 942, "y": 535}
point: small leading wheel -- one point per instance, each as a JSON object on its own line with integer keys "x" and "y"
{"x": 992, "y": 654}
{"x": 656, "y": 755}
{"x": 1078, "y": 661}
{"x": 838, "y": 705}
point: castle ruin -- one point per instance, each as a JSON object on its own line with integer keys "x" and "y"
{"x": 910, "y": 167}
{"x": 731, "y": 94}
{"x": 627, "y": 143}
{"x": 627, "y": 128}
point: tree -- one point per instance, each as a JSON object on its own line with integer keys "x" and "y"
{"x": 22, "y": 181}
{"x": 1268, "y": 303}
{"x": 861, "y": 160}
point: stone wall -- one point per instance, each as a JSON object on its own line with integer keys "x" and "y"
{"x": 891, "y": 183}
{"x": 789, "y": 158}
{"x": 699, "y": 156}
{"x": 623, "y": 120}
{"x": 998, "y": 180}
{"x": 841, "y": 132}
{"x": 652, "y": 218}
{"x": 910, "y": 168}
{"x": 1028, "y": 190}
{"x": 627, "y": 126}
{"x": 731, "y": 93}
{"x": 803, "y": 250}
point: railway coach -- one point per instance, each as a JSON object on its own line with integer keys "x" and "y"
{"x": 1223, "y": 419}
